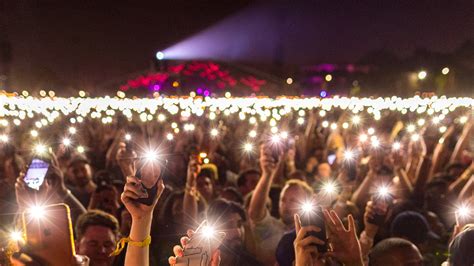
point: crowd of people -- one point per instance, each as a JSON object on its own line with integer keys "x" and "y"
{"x": 389, "y": 191}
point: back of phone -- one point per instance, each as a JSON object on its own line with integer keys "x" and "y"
{"x": 198, "y": 251}
{"x": 49, "y": 234}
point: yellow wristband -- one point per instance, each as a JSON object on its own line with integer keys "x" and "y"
{"x": 121, "y": 244}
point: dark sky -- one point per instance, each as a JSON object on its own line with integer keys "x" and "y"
{"x": 83, "y": 44}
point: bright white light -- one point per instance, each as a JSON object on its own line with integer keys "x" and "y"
{"x": 34, "y": 133}
{"x": 464, "y": 211}
{"x": 128, "y": 137}
{"x": 284, "y": 134}
{"x": 325, "y": 124}
{"x": 161, "y": 117}
{"x": 206, "y": 160}
{"x": 300, "y": 120}
{"x": 252, "y": 133}
{"x": 363, "y": 138}
{"x": 203, "y": 155}
{"x": 214, "y": 132}
{"x": 443, "y": 129}
{"x": 463, "y": 119}
{"x": 72, "y": 130}
{"x": 37, "y": 211}
{"x": 396, "y": 146}
{"x": 422, "y": 74}
{"x": 356, "y": 120}
{"x": 66, "y": 142}
{"x": 275, "y": 139}
{"x": 307, "y": 207}
{"x": 329, "y": 188}
{"x": 348, "y": 155}
{"x": 160, "y": 55}
{"x": 333, "y": 126}
{"x": 151, "y": 155}
{"x": 415, "y": 137}
{"x": 328, "y": 77}
{"x": 411, "y": 128}
{"x": 436, "y": 120}
{"x": 371, "y": 131}
{"x": 383, "y": 191}
{"x": 345, "y": 125}
{"x": 445, "y": 71}
{"x": 289, "y": 81}
{"x": 322, "y": 113}
{"x": 4, "y": 138}
{"x": 375, "y": 142}
{"x": 169, "y": 136}
{"x": 16, "y": 236}
{"x": 248, "y": 147}
{"x": 208, "y": 231}
{"x": 80, "y": 149}
{"x": 421, "y": 122}
{"x": 40, "y": 149}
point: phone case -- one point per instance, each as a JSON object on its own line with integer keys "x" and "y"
{"x": 50, "y": 238}
{"x": 316, "y": 218}
{"x": 198, "y": 251}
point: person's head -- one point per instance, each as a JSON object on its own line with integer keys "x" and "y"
{"x": 96, "y": 234}
{"x": 412, "y": 226}
{"x": 247, "y": 181}
{"x": 230, "y": 218}
{"x": 311, "y": 164}
{"x": 205, "y": 184}
{"x": 293, "y": 194}
{"x": 435, "y": 193}
{"x": 324, "y": 170}
{"x": 80, "y": 171}
{"x": 298, "y": 174}
{"x": 173, "y": 207}
{"x": 232, "y": 194}
{"x": 395, "y": 252}
{"x": 460, "y": 249}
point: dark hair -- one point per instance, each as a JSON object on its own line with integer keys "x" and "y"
{"x": 460, "y": 250}
{"x": 243, "y": 176}
{"x": 236, "y": 194}
{"x": 96, "y": 217}
{"x": 379, "y": 253}
{"x": 222, "y": 208}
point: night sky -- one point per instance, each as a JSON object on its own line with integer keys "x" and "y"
{"x": 84, "y": 44}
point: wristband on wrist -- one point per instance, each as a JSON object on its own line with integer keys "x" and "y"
{"x": 121, "y": 244}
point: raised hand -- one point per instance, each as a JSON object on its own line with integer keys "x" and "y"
{"x": 126, "y": 160}
{"x": 133, "y": 190}
{"x": 267, "y": 162}
{"x": 193, "y": 170}
{"x": 179, "y": 251}
{"x": 306, "y": 251}
{"x": 344, "y": 242}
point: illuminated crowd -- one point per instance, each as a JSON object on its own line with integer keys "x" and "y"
{"x": 389, "y": 181}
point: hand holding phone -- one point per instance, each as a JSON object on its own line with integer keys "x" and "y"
{"x": 312, "y": 215}
{"x": 36, "y": 173}
{"x": 201, "y": 248}
{"x": 48, "y": 234}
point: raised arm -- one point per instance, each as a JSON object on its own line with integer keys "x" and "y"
{"x": 257, "y": 208}
{"x": 190, "y": 201}
{"x": 462, "y": 142}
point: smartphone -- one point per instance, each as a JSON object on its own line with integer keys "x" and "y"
{"x": 49, "y": 237}
{"x": 151, "y": 192}
{"x": 36, "y": 173}
{"x": 380, "y": 204}
{"x": 331, "y": 158}
{"x": 316, "y": 218}
{"x": 199, "y": 249}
